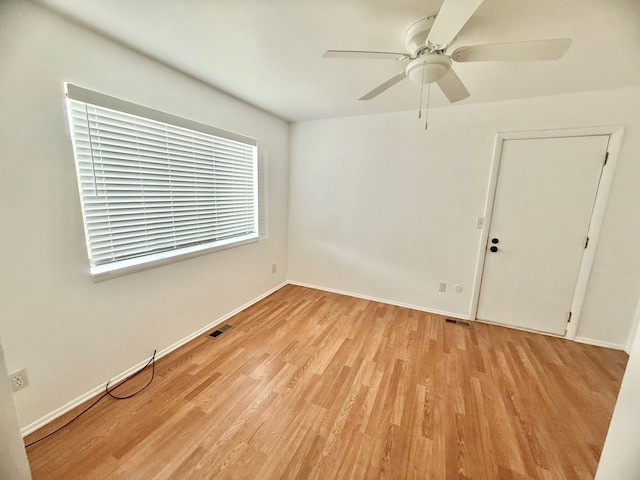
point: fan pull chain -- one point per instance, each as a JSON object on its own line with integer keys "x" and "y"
{"x": 421, "y": 88}
{"x": 426, "y": 114}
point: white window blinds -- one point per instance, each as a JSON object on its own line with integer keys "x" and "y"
{"x": 153, "y": 189}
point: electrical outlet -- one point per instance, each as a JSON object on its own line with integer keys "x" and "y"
{"x": 274, "y": 268}
{"x": 442, "y": 287}
{"x": 18, "y": 380}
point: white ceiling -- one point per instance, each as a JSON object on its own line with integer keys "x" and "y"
{"x": 268, "y": 52}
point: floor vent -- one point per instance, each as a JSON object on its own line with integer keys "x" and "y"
{"x": 457, "y": 322}
{"x": 219, "y": 331}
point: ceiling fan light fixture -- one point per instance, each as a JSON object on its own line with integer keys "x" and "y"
{"x": 428, "y": 68}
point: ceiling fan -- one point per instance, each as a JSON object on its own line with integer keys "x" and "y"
{"x": 426, "y": 44}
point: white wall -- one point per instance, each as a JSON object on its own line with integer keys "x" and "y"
{"x": 620, "y": 459}
{"x": 380, "y": 207}
{"x": 633, "y": 331}
{"x": 13, "y": 458}
{"x": 70, "y": 333}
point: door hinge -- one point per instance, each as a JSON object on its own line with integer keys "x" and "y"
{"x": 606, "y": 158}
{"x": 586, "y": 243}
{"x": 569, "y": 319}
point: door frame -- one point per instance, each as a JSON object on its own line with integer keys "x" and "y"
{"x": 597, "y": 216}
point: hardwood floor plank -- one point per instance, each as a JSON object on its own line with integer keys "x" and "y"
{"x": 313, "y": 385}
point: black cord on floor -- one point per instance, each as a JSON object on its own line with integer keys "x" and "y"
{"x": 153, "y": 374}
{"x": 108, "y": 392}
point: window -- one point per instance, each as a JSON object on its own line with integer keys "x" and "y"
{"x": 155, "y": 186}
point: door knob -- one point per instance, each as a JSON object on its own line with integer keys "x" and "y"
{"x": 494, "y": 240}
{"x": 494, "y": 249}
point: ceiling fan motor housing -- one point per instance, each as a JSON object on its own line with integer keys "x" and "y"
{"x": 428, "y": 68}
{"x": 416, "y": 36}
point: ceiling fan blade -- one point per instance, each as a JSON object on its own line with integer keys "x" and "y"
{"x": 384, "y": 85}
{"x": 452, "y": 87}
{"x": 365, "y": 55}
{"x": 515, "y": 51}
{"x": 450, "y": 19}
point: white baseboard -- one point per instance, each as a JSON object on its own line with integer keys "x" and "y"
{"x": 32, "y": 427}
{"x": 41, "y": 422}
{"x": 588, "y": 341}
{"x": 382, "y": 300}
{"x": 598, "y": 343}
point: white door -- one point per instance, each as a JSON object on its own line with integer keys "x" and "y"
{"x": 541, "y": 213}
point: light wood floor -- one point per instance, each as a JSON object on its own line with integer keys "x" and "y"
{"x": 313, "y": 385}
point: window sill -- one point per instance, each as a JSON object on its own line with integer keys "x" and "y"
{"x": 126, "y": 267}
